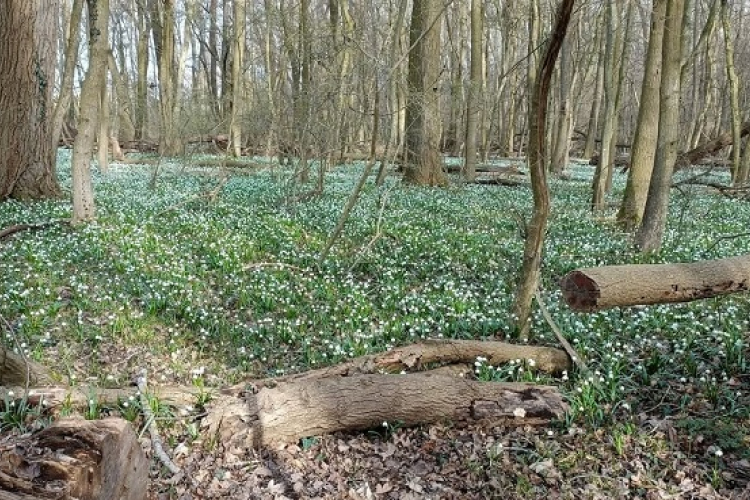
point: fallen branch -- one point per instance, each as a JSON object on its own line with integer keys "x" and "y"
{"x": 153, "y": 429}
{"x": 580, "y": 364}
{"x": 17, "y": 228}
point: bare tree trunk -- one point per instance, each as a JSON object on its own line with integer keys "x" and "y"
{"x": 734, "y": 90}
{"x": 534, "y": 244}
{"x": 125, "y": 124}
{"x": 424, "y": 164}
{"x": 474, "y": 98}
{"x": 27, "y": 76}
{"x": 141, "y": 92}
{"x": 593, "y": 126}
{"x": 236, "y": 97}
{"x": 647, "y": 129}
{"x": 66, "y": 81}
{"x": 613, "y": 35}
{"x": 91, "y": 93}
{"x": 163, "y": 25}
{"x": 650, "y": 234}
{"x": 102, "y": 141}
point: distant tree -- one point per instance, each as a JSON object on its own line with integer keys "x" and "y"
{"x": 28, "y": 30}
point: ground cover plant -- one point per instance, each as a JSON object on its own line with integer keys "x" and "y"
{"x": 212, "y": 291}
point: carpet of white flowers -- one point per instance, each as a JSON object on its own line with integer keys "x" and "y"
{"x": 214, "y": 290}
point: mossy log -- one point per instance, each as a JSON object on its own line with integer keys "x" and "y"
{"x": 75, "y": 459}
{"x": 594, "y": 289}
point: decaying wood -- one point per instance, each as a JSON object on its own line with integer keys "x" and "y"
{"x": 708, "y": 148}
{"x": 292, "y": 410}
{"x": 76, "y": 459}
{"x": 17, "y": 370}
{"x": 594, "y": 289}
{"x": 156, "y": 442}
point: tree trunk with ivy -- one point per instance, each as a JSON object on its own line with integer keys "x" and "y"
{"x": 28, "y": 35}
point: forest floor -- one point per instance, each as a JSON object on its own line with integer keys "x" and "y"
{"x": 213, "y": 290}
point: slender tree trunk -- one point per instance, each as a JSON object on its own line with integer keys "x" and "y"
{"x": 141, "y": 92}
{"x": 534, "y": 244}
{"x": 27, "y": 76}
{"x": 734, "y": 90}
{"x": 66, "y": 81}
{"x": 126, "y": 126}
{"x": 611, "y": 54}
{"x": 424, "y": 164}
{"x": 102, "y": 140}
{"x": 91, "y": 95}
{"x": 593, "y": 127}
{"x": 473, "y": 103}
{"x": 651, "y": 232}
{"x": 236, "y": 98}
{"x": 647, "y": 128}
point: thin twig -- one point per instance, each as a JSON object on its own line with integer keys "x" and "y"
{"x": 150, "y": 424}
{"x": 556, "y": 330}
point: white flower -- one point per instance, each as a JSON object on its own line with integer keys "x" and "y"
{"x": 519, "y": 413}
{"x": 718, "y": 452}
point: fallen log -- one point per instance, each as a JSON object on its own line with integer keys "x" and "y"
{"x": 697, "y": 154}
{"x": 594, "y": 289}
{"x": 293, "y": 410}
{"x": 75, "y": 459}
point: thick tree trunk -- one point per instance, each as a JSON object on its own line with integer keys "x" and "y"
{"x": 424, "y": 165}
{"x": 75, "y": 458}
{"x": 647, "y": 128}
{"x": 236, "y": 95}
{"x": 651, "y": 232}
{"x": 141, "y": 92}
{"x": 593, "y": 289}
{"x": 27, "y": 75}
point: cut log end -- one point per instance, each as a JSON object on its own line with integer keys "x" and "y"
{"x": 580, "y": 291}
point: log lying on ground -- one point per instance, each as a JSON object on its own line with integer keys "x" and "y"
{"x": 75, "y": 458}
{"x": 290, "y": 411}
{"x": 17, "y": 370}
{"x": 695, "y": 155}
{"x": 594, "y": 289}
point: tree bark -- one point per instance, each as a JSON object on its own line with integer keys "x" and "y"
{"x": 424, "y": 165}
{"x": 28, "y": 37}
{"x": 650, "y": 234}
{"x": 734, "y": 90}
{"x": 594, "y": 289}
{"x": 236, "y": 96}
{"x": 66, "y": 80}
{"x": 647, "y": 128}
{"x": 290, "y": 411}
{"x": 141, "y": 92}
{"x": 76, "y": 458}
{"x": 534, "y": 244}
{"x": 474, "y": 97}
{"x": 91, "y": 93}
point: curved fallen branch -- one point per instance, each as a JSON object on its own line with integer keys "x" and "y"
{"x": 17, "y": 228}
{"x": 150, "y": 424}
